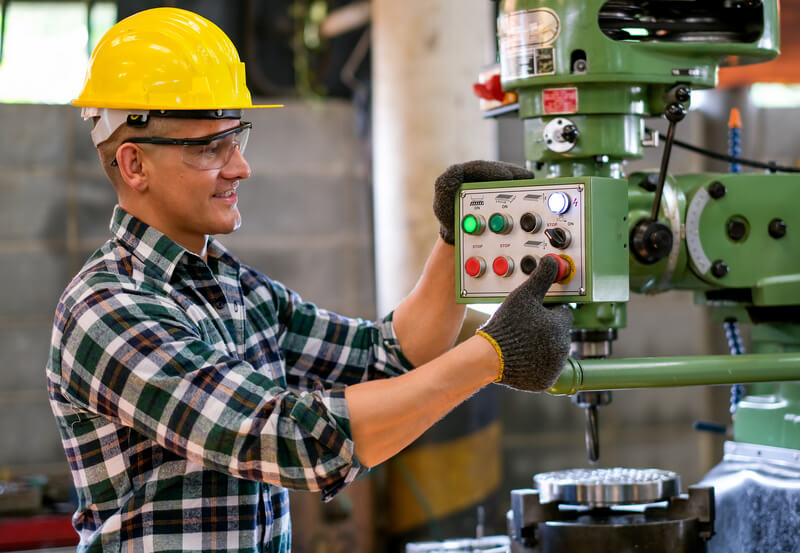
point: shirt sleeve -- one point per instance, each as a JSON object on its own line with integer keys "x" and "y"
{"x": 321, "y": 345}
{"x": 139, "y": 361}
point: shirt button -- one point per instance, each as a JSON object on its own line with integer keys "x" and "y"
{"x": 220, "y": 305}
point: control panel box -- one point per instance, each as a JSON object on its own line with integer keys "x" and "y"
{"x": 504, "y": 229}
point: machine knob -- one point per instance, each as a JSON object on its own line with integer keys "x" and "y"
{"x": 570, "y": 133}
{"x": 558, "y": 202}
{"x": 500, "y": 223}
{"x": 651, "y": 241}
{"x": 503, "y": 266}
{"x": 675, "y": 112}
{"x": 530, "y": 222}
{"x": 475, "y": 266}
{"x": 559, "y": 238}
{"x": 473, "y": 224}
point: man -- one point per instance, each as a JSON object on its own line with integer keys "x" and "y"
{"x": 190, "y": 390}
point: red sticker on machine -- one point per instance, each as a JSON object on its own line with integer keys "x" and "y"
{"x": 560, "y": 100}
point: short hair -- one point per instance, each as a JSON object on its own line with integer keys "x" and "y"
{"x": 107, "y": 150}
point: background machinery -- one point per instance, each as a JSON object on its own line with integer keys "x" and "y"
{"x": 583, "y": 77}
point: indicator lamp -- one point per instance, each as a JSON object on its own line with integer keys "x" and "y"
{"x": 558, "y": 202}
{"x": 500, "y": 224}
{"x": 473, "y": 224}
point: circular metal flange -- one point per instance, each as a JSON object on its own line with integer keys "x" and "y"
{"x": 607, "y": 486}
{"x": 554, "y": 135}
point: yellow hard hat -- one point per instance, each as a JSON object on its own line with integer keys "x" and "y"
{"x": 166, "y": 59}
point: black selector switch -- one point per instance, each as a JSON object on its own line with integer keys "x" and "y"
{"x": 559, "y": 238}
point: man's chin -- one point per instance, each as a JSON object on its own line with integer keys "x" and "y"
{"x": 229, "y": 226}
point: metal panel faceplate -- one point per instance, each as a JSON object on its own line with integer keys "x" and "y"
{"x": 516, "y": 244}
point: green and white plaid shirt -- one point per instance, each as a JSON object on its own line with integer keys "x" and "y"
{"x": 190, "y": 395}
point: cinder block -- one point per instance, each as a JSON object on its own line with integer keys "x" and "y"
{"x": 28, "y": 433}
{"x": 39, "y": 136}
{"x": 83, "y": 151}
{"x": 330, "y": 279}
{"x": 34, "y": 206}
{"x": 96, "y": 199}
{"x": 24, "y": 351}
{"x": 32, "y": 283}
{"x": 304, "y": 138}
{"x": 296, "y": 205}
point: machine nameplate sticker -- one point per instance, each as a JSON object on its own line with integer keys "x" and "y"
{"x": 525, "y": 40}
{"x": 560, "y": 100}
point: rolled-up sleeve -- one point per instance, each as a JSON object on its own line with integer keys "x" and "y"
{"x": 322, "y": 346}
{"x": 139, "y": 361}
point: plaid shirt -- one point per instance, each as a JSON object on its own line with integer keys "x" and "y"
{"x": 190, "y": 395}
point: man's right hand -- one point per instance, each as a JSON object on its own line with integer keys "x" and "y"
{"x": 531, "y": 339}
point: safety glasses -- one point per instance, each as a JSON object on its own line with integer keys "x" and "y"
{"x": 205, "y": 152}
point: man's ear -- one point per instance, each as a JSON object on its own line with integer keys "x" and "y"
{"x": 131, "y": 166}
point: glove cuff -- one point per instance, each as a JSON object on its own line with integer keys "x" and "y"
{"x": 496, "y": 347}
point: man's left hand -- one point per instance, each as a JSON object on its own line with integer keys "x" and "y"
{"x": 451, "y": 180}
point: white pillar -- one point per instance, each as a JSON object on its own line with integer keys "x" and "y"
{"x": 426, "y": 54}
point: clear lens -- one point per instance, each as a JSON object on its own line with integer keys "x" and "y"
{"x": 217, "y": 153}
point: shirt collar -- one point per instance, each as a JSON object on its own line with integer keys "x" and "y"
{"x": 158, "y": 252}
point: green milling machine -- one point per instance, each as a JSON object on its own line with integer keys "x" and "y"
{"x": 583, "y": 76}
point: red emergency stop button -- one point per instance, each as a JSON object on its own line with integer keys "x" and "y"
{"x": 503, "y": 266}
{"x": 564, "y": 268}
{"x": 475, "y": 266}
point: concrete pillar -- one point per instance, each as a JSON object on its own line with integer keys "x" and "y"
{"x": 426, "y": 55}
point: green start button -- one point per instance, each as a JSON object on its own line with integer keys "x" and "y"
{"x": 473, "y": 224}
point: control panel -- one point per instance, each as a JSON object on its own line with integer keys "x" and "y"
{"x": 506, "y": 228}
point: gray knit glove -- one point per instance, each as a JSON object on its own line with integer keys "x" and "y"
{"x": 448, "y": 183}
{"x": 531, "y": 339}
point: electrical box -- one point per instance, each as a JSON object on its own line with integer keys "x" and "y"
{"x": 506, "y": 227}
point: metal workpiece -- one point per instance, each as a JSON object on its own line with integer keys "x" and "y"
{"x": 608, "y": 486}
{"x": 488, "y": 544}
{"x": 665, "y": 372}
{"x": 677, "y": 524}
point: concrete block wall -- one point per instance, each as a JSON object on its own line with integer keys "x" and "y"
{"x": 307, "y": 222}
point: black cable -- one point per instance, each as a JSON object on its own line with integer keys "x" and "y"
{"x": 769, "y": 166}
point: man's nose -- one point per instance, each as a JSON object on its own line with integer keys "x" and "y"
{"x": 237, "y": 167}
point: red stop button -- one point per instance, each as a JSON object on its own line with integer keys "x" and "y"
{"x": 503, "y": 266}
{"x": 475, "y": 266}
{"x": 564, "y": 268}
